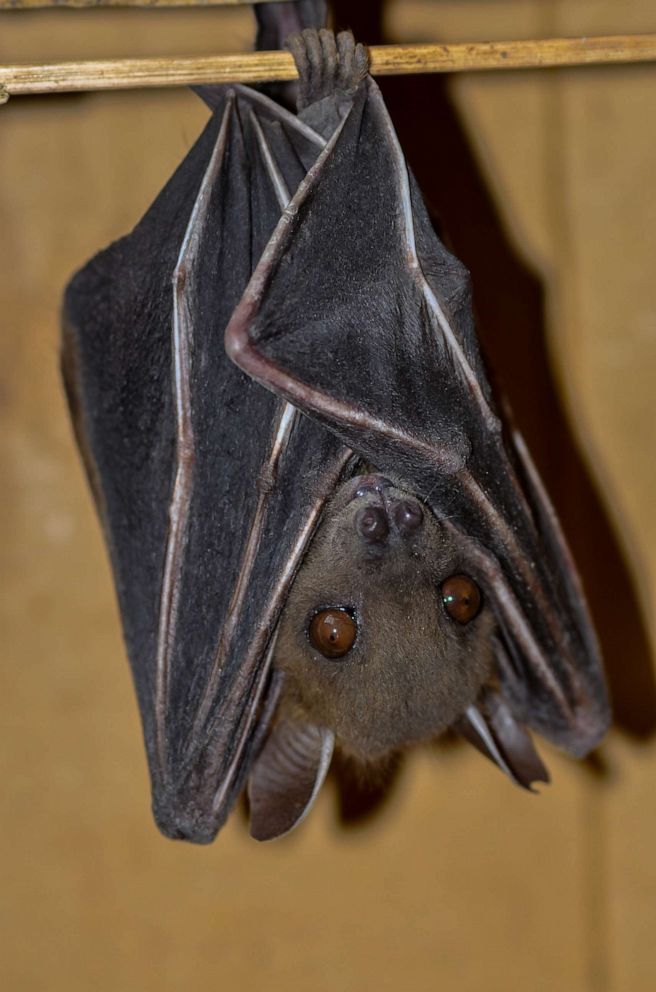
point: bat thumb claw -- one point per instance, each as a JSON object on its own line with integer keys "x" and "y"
{"x": 287, "y": 777}
{"x": 493, "y": 731}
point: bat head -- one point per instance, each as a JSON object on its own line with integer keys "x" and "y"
{"x": 385, "y": 638}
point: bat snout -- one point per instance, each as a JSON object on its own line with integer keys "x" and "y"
{"x": 376, "y": 521}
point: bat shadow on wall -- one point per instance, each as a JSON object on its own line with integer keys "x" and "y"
{"x": 510, "y": 303}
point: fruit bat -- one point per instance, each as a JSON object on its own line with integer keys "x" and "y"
{"x": 322, "y": 530}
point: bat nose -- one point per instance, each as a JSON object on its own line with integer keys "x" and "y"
{"x": 373, "y": 522}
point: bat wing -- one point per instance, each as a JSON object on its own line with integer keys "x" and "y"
{"x": 208, "y": 486}
{"x": 359, "y": 316}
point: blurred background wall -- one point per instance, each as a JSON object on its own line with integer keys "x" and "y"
{"x": 545, "y": 185}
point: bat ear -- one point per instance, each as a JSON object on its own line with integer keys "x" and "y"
{"x": 492, "y": 729}
{"x": 287, "y": 777}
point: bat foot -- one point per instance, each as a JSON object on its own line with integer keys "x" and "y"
{"x": 329, "y": 65}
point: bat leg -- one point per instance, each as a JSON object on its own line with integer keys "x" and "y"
{"x": 287, "y": 777}
{"x": 276, "y": 21}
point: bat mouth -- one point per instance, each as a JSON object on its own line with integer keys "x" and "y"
{"x": 366, "y": 485}
{"x": 372, "y": 484}
{"x": 359, "y": 487}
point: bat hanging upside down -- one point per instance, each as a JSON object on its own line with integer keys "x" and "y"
{"x": 322, "y": 532}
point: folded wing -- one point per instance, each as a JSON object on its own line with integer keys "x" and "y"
{"x": 359, "y": 316}
{"x": 209, "y": 487}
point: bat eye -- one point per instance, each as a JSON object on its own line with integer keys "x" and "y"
{"x": 333, "y": 632}
{"x": 461, "y": 597}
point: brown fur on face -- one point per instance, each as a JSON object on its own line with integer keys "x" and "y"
{"x": 412, "y": 670}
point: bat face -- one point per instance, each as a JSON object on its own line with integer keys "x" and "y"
{"x": 385, "y": 638}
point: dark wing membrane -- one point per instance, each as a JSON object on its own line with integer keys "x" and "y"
{"x": 379, "y": 346}
{"x": 118, "y": 367}
{"x": 209, "y": 487}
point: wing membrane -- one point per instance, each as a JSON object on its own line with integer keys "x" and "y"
{"x": 209, "y": 487}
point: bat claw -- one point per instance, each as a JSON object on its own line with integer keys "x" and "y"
{"x": 328, "y": 66}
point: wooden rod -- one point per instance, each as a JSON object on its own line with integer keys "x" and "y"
{"x": 386, "y": 60}
{"x": 39, "y": 4}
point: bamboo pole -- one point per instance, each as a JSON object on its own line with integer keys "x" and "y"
{"x": 257, "y": 67}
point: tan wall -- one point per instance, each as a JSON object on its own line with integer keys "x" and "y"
{"x": 460, "y": 881}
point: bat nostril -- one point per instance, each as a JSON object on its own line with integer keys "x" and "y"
{"x": 408, "y": 517}
{"x": 371, "y": 523}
